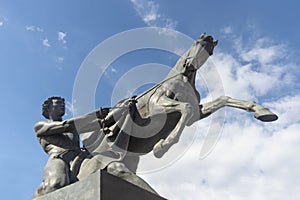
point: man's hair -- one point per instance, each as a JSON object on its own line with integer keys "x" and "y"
{"x": 47, "y": 103}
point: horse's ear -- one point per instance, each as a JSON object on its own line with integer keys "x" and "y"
{"x": 202, "y": 36}
{"x": 215, "y": 43}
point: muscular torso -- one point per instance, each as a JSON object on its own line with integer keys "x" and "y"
{"x": 58, "y": 143}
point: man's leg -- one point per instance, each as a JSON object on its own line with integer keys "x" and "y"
{"x": 55, "y": 176}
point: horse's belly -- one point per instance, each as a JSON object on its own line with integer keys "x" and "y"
{"x": 145, "y": 137}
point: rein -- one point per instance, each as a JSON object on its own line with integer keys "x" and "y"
{"x": 157, "y": 86}
{"x": 149, "y": 90}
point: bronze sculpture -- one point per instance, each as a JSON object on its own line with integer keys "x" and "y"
{"x": 152, "y": 121}
{"x": 161, "y": 113}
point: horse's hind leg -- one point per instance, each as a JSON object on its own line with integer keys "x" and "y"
{"x": 260, "y": 112}
{"x": 187, "y": 112}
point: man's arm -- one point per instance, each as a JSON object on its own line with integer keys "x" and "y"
{"x": 43, "y": 128}
{"x": 88, "y": 122}
{"x": 82, "y": 124}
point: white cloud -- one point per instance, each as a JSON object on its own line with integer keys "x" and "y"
{"x": 114, "y": 70}
{"x": 255, "y": 70}
{"x": 149, "y": 13}
{"x": 70, "y": 109}
{"x": 3, "y": 20}
{"x": 226, "y": 30}
{"x": 38, "y": 29}
{"x": 147, "y": 10}
{"x": 288, "y": 108}
{"x": 60, "y": 59}
{"x": 263, "y": 52}
{"x": 46, "y": 42}
{"x": 34, "y": 28}
{"x": 252, "y": 159}
{"x": 30, "y": 28}
{"x": 61, "y": 37}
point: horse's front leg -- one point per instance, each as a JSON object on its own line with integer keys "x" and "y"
{"x": 260, "y": 112}
{"x": 187, "y": 111}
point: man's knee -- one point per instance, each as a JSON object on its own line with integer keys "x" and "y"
{"x": 55, "y": 183}
{"x": 51, "y": 185}
{"x": 58, "y": 182}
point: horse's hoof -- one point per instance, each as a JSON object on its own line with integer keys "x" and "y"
{"x": 159, "y": 154}
{"x": 158, "y": 149}
{"x": 265, "y": 115}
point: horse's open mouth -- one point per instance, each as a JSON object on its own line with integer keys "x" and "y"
{"x": 209, "y": 44}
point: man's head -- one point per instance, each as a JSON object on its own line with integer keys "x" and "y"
{"x": 53, "y": 107}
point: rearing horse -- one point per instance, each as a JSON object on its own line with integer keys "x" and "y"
{"x": 162, "y": 112}
{"x": 157, "y": 117}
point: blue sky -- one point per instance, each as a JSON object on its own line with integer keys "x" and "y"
{"x": 44, "y": 43}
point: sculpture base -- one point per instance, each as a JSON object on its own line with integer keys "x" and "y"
{"x": 100, "y": 186}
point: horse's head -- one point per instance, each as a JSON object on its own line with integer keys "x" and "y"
{"x": 208, "y": 43}
{"x": 203, "y": 48}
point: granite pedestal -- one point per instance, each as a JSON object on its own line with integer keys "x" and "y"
{"x": 101, "y": 186}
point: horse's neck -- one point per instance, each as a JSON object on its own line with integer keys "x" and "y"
{"x": 192, "y": 78}
{"x": 189, "y": 73}
{"x": 192, "y": 81}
